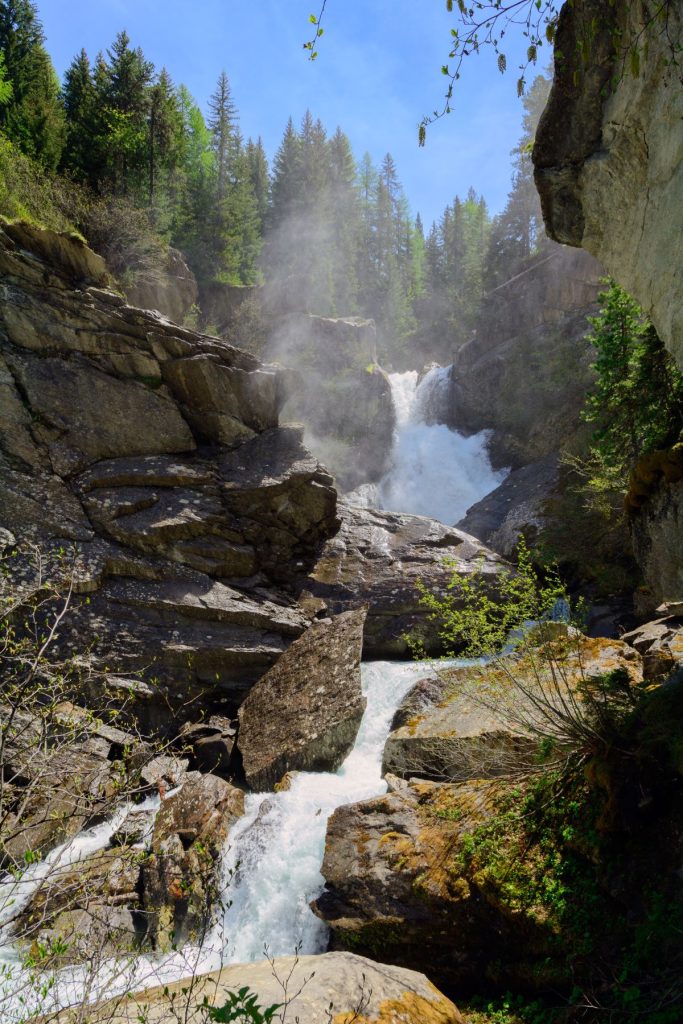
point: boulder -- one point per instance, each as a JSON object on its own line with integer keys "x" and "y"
{"x": 338, "y": 987}
{"x": 377, "y": 559}
{"x": 210, "y": 744}
{"x": 608, "y": 150}
{"x": 303, "y": 715}
{"x": 90, "y": 907}
{"x": 482, "y": 721}
{"x": 393, "y": 883}
{"x": 178, "y": 878}
{"x": 515, "y": 507}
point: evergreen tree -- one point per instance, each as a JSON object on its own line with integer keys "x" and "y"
{"x": 258, "y": 175}
{"x": 223, "y": 123}
{"x": 32, "y": 116}
{"x": 80, "y": 106}
{"x": 285, "y": 183}
{"x": 165, "y": 132}
{"x": 125, "y": 96}
{"x": 344, "y": 206}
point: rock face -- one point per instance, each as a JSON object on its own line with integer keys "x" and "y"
{"x": 388, "y": 884}
{"x": 153, "y": 454}
{"x": 178, "y": 877}
{"x": 304, "y": 713}
{"x": 515, "y": 507}
{"x": 335, "y": 987}
{"x": 339, "y": 393}
{"x": 655, "y": 503}
{"x": 172, "y": 293}
{"x": 377, "y": 558}
{"x": 609, "y": 161}
{"x": 525, "y": 373}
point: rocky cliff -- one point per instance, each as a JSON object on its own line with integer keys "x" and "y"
{"x": 609, "y": 150}
{"x": 153, "y": 457}
{"x": 339, "y": 392}
{"x": 525, "y": 373}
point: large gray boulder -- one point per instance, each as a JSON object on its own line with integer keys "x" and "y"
{"x": 339, "y": 987}
{"x": 305, "y": 712}
{"x": 483, "y": 721}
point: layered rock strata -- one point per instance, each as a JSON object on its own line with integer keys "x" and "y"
{"x": 153, "y": 455}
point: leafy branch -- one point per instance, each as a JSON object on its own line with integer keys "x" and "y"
{"x": 316, "y": 22}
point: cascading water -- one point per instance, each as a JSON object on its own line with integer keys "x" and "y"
{"x": 435, "y": 471}
{"x": 271, "y": 871}
{"x": 277, "y": 849}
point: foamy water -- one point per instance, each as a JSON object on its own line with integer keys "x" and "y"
{"x": 270, "y": 871}
{"x": 435, "y": 471}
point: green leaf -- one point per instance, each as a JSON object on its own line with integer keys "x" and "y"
{"x": 312, "y": 18}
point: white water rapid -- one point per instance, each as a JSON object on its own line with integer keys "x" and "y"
{"x": 270, "y": 871}
{"x": 435, "y": 471}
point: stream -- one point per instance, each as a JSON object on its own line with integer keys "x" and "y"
{"x": 270, "y": 872}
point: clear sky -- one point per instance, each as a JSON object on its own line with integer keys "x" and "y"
{"x": 377, "y": 74}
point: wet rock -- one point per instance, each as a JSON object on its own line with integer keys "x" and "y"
{"x": 339, "y": 987}
{"x": 305, "y": 712}
{"x": 90, "y": 907}
{"x": 514, "y": 508}
{"x": 377, "y": 558}
{"x": 210, "y": 744}
{"x": 178, "y": 878}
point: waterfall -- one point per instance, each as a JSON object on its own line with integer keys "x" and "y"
{"x": 270, "y": 871}
{"x": 435, "y": 471}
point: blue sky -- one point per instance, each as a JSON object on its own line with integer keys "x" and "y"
{"x": 377, "y": 74}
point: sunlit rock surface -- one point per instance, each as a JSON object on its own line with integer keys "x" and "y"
{"x": 304, "y": 713}
{"x": 377, "y": 558}
{"x": 609, "y": 161}
{"x": 336, "y": 987}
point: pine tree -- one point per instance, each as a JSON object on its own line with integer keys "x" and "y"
{"x": 125, "y": 94}
{"x": 80, "y": 105}
{"x": 258, "y": 175}
{"x": 223, "y": 123}
{"x": 165, "y": 132}
{"x": 285, "y": 183}
{"x": 32, "y": 116}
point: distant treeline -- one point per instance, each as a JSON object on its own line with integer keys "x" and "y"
{"x": 325, "y": 233}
